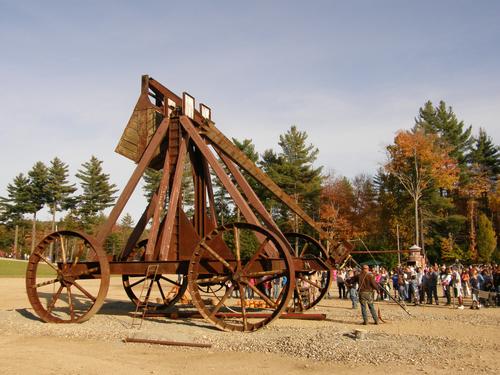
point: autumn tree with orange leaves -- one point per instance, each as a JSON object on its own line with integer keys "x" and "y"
{"x": 337, "y": 200}
{"x": 419, "y": 161}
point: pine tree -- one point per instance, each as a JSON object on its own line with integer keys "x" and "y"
{"x": 248, "y": 149}
{"x": 442, "y": 121}
{"x": 15, "y": 205}
{"x": 486, "y": 155}
{"x": 126, "y": 227}
{"x": 97, "y": 191}
{"x": 39, "y": 194}
{"x": 486, "y": 238}
{"x": 59, "y": 188}
{"x": 187, "y": 186}
{"x": 292, "y": 170}
{"x": 151, "y": 179}
{"x": 127, "y": 222}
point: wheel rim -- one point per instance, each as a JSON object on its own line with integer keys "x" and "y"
{"x": 165, "y": 290}
{"x": 310, "y": 288}
{"x": 72, "y": 287}
{"x": 250, "y": 252}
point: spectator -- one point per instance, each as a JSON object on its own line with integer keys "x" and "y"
{"x": 395, "y": 285}
{"x": 446, "y": 284}
{"x": 474, "y": 283}
{"x": 456, "y": 283}
{"x": 433, "y": 283}
{"x": 352, "y": 289}
{"x": 341, "y": 284}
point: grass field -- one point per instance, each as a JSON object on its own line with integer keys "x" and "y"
{"x": 17, "y": 268}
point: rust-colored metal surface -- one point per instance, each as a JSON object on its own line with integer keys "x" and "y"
{"x": 240, "y": 275}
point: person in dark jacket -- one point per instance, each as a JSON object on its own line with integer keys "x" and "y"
{"x": 367, "y": 286}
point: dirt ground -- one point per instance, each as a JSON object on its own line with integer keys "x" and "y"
{"x": 434, "y": 340}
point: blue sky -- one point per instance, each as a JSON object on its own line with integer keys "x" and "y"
{"x": 349, "y": 73}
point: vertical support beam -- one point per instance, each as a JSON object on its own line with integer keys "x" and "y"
{"x": 210, "y": 190}
{"x": 173, "y": 203}
{"x": 134, "y": 180}
{"x": 200, "y": 195}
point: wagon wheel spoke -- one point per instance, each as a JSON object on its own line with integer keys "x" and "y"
{"x": 49, "y": 263}
{"x": 150, "y": 287}
{"x": 256, "y": 255}
{"x": 137, "y": 282}
{"x": 160, "y": 289}
{"x": 237, "y": 246}
{"x": 262, "y": 295}
{"x": 84, "y": 291}
{"x": 170, "y": 281}
{"x": 70, "y": 303}
{"x": 304, "y": 248}
{"x": 46, "y": 283}
{"x": 78, "y": 254}
{"x": 54, "y": 299}
{"x": 217, "y": 256}
{"x": 63, "y": 249}
{"x": 316, "y": 285}
{"x": 299, "y": 297}
{"x": 243, "y": 307}
{"x": 270, "y": 278}
{"x": 222, "y": 301}
{"x": 280, "y": 296}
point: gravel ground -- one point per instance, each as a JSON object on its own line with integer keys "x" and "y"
{"x": 434, "y": 338}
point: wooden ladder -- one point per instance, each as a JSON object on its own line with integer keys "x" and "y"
{"x": 143, "y": 302}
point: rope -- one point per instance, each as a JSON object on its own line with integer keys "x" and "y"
{"x": 379, "y": 285}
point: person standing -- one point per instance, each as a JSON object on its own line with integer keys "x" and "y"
{"x": 433, "y": 283}
{"x": 446, "y": 283}
{"x": 352, "y": 289}
{"x": 367, "y": 287}
{"x": 341, "y": 284}
{"x": 456, "y": 282}
{"x": 474, "y": 284}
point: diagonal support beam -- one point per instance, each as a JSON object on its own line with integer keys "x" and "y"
{"x": 219, "y": 171}
{"x": 223, "y": 144}
{"x": 134, "y": 180}
{"x": 139, "y": 228}
{"x": 161, "y": 192}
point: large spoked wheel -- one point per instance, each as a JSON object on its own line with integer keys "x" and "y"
{"x": 240, "y": 276}
{"x": 310, "y": 286}
{"x": 67, "y": 278}
{"x": 164, "y": 291}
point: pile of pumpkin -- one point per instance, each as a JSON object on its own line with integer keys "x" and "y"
{"x": 254, "y": 303}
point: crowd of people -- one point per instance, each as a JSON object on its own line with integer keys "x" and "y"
{"x": 420, "y": 285}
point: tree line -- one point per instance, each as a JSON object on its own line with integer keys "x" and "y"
{"x": 48, "y": 186}
{"x": 438, "y": 189}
